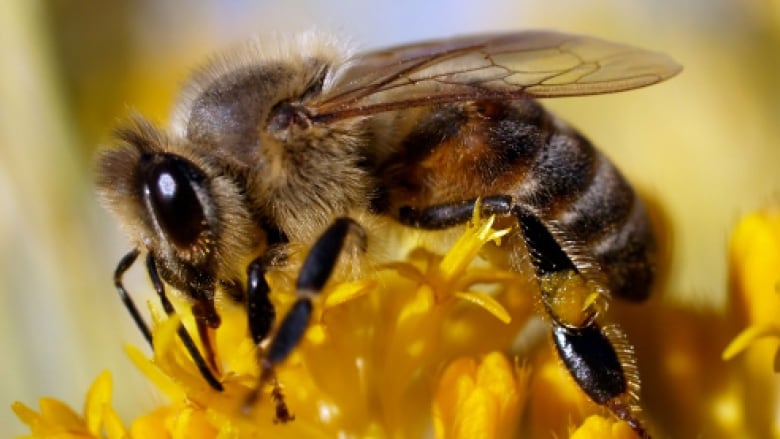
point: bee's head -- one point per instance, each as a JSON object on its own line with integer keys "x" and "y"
{"x": 182, "y": 208}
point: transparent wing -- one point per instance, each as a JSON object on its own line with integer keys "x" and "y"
{"x": 537, "y": 64}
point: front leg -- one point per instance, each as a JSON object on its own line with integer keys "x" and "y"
{"x": 124, "y": 264}
{"x": 189, "y": 343}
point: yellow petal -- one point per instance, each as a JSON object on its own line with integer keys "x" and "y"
{"x": 467, "y": 247}
{"x": 98, "y": 398}
{"x": 316, "y": 334}
{"x": 598, "y": 427}
{"x": 152, "y": 425}
{"x": 423, "y": 301}
{"x": 186, "y": 425}
{"x": 487, "y": 303}
{"x": 165, "y": 335}
{"x": 347, "y": 291}
{"x": 496, "y": 375}
{"x": 455, "y": 384}
{"x": 227, "y": 431}
{"x": 113, "y": 425}
{"x": 406, "y": 270}
{"x": 478, "y": 418}
{"x": 28, "y": 416}
{"x": 161, "y": 380}
{"x": 56, "y": 412}
{"x": 748, "y": 336}
{"x": 755, "y": 265}
{"x": 479, "y": 400}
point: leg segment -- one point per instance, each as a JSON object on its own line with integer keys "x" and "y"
{"x": 315, "y": 272}
{"x": 548, "y": 257}
{"x": 589, "y": 355}
{"x": 594, "y": 363}
{"x": 261, "y": 313}
{"x": 185, "y": 337}
{"x": 124, "y": 264}
{"x": 546, "y": 254}
{"x": 443, "y": 216}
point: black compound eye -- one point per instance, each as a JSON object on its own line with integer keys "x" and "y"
{"x": 170, "y": 185}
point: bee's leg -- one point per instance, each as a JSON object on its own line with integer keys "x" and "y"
{"x": 590, "y": 356}
{"x": 603, "y": 367}
{"x": 547, "y": 256}
{"x": 315, "y": 272}
{"x": 261, "y": 313}
{"x": 124, "y": 264}
{"x": 185, "y": 337}
{"x": 442, "y": 216}
{"x": 593, "y": 361}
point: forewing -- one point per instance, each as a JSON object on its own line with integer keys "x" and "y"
{"x": 536, "y": 64}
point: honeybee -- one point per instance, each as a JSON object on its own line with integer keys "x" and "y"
{"x": 280, "y": 143}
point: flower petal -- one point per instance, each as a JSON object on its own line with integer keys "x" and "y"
{"x": 55, "y": 412}
{"x": 599, "y": 427}
{"x": 27, "y": 415}
{"x": 98, "y": 398}
{"x": 160, "y": 379}
{"x": 479, "y": 400}
{"x": 347, "y": 291}
{"x": 112, "y": 424}
{"x": 748, "y": 336}
{"x": 487, "y": 303}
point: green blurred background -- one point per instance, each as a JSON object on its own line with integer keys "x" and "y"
{"x": 704, "y": 145}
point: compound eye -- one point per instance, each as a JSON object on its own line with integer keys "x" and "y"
{"x": 170, "y": 184}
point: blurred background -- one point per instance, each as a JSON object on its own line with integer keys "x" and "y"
{"x": 703, "y": 146}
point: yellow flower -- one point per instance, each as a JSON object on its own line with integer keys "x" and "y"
{"x": 369, "y": 363}
{"x": 755, "y": 267}
{"x": 58, "y": 420}
{"x": 755, "y": 279}
{"x": 480, "y": 399}
{"x": 420, "y": 347}
{"x": 416, "y": 347}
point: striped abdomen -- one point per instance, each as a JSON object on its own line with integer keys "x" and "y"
{"x": 461, "y": 152}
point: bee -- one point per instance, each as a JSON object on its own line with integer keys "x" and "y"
{"x": 284, "y": 142}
